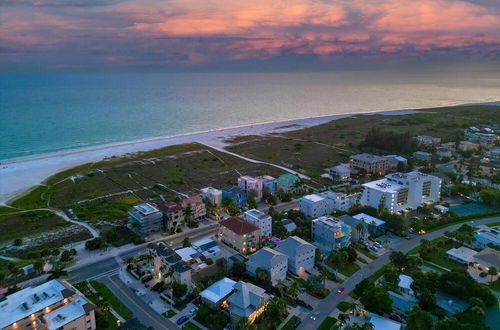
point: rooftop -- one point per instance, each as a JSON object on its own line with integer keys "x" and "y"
{"x": 257, "y": 214}
{"x": 490, "y": 256}
{"x": 287, "y": 180}
{"x": 146, "y": 209}
{"x": 218, "y": 290}
{"x": 382, "y": 323}
{"x": 66, "y": 314}
{"x": 462, "y": 253}
{"x": 246, "y": 298}
{"x": 383, "y": 185}
{"x": 369, "y": 219}
{"x": 368, "y": 158}
{"x": 313, "y": 198}
{"x": 264, "y": 256}
{"x": 193, "y": 200}
{"x": 238, "y": 225}
{"x": 290, "y": 245}
{"x": 403, "y": 302}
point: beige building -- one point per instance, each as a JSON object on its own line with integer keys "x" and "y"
{"x": 199, "y": 210}
{"x": 239, "y": 234}
{"x": 52, "y": 305}
{"x": 369, "y": 163}
{"x": 174, "y": 215}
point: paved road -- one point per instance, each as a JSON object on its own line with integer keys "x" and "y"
{"x": 328, "y": 304}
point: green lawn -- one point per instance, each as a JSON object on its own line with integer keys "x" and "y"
{"x": 328, "y": 324}
{"x": 113, "y": 301}
{"x": 344, "y": 306}
{"x": 366, "y": 253}
{"x": 169, "y": 314}
{"x": 348, "y": 269}
{"x": 494, "y": 224}
{"x": 289, "y": 325}
{"x": 495, "y": 285}
{"x": 190, "y": 326}
{"x": 440, "y": 258}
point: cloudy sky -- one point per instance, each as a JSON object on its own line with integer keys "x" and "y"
{"x": 239, "y": 35}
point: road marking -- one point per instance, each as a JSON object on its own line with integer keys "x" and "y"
{"x": 105, "y": 274}
{"x": 137, "y": 305}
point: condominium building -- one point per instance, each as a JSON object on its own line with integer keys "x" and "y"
{"x": 212, "y": 194}
{"x": 239, "y": 234}
{"x": 261, "y": 220}
{"x": 168, "y": 264}
{"x": 317, "y": 205}
{"x": 329, "y": 233}
{"x": 52, "y": 305}
{"x": 198, "y": 208}
{"x": 340, "y": 172}
{"x": 482, "y": 135}
{"x": 272, "y": 261}
{"x": 301, "y": 254}
{"x": 399, "y": 191}
{"x": 251, "y": 186}
{"x": 368, "y": 163}
{"x": 173, "y": 214}
{"x": 145, "y": 219}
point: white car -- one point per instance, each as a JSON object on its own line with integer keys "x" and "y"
{"x": 193, "y": 311}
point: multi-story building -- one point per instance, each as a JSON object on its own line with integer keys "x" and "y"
{"x": 274, "y": 262}
{"x": 168, "y": 265}
{"x": 145, "y": 219}
{"x": 368, "y": 163}
{"x": 251, "y": 186}
{"x": 493, "y": 157}
{"x": 468, "y": 146}
{"x": 427, "y": 140}
{"x": 484, "y": 136}
{"x": 212, "y": 194}
{"x": 261, "y": 220}
{"x": 268, "y": 182}
{"x": 422, "y": 156}
{"x": 52, "y": 305}
{"x": 301, "y": 254}
{"x": 235, "y": 194}
{"x": 216, "y": 294}
{"x": 198, "y": 208}
{"x": 173, "y": 215}
{"x": 247, "y": 301}
{"x": 289, "y": 183}
{"x": 239, "y": 234}
{"x": 317, "y": 205}
{"x": 395, "y": 160}
{"x": 338, "y": 201}
{"x": 329, "y": 233}
{"x": 399, "y": 191}
{"x": 340, "y": 172}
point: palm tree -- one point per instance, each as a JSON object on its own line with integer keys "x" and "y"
{"x": 343, "y": 318}
{"x": 360, "y": 227}
{"x": 323, "y": 275}
{"x": 280, "y": 286}
{"x": 57, "y": 272}
{"x": 188, "y": 213}
{"x": 294, "y": 290}
{"x": 354, "y": 307}
{"x": 492, "y": 271}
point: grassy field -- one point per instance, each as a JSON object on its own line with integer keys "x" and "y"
{"x": 344, "y": 306}
{"x": 439, "y": 256}
{"x": 190, "y": 326}
{"x": 169, "y": 314}
{"x": 366, "y": 253}
{"x": 494, "y": 224}
{"x": 289, "y": 324}
{"x": 495, "y": 285}
{"x": 328, "y": 324}
{"x": 310, "y": 150}
{"x": 20, "y": 225}
{"x": 347, "y": 270}
{"x": 114, "y": 302}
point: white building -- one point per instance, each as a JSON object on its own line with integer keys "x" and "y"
{"x": 338, "y": 201}
{"x": 462, "y": 255}
{"x": 330, "y": 233}
{"x": 314, "y": 206}
{"x": 483, "y": 135}
{"x": 399, "y": 191}
{"x": 404, "y": 284}
{"x": 212, "y": 194}
{"x": 341, "y": 172}
{"x": 217, "y": 293}
{"x": 301, "y": 254}
{"x": 251, "y": 185}
{"x": 274, "y": 262}
{"x": 261, "y": 220}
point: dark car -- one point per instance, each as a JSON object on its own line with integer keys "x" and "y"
{"x": 146, "y": 278}
{"x": 182, "y": 319}
{"x": 341, "y": 290}
{"x": 157, "y": 286}
{"x": 297, "y": 323}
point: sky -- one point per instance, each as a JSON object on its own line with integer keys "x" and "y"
{"x": 65, "y": 35}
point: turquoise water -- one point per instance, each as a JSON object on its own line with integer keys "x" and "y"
{"x": 43, "y": 113}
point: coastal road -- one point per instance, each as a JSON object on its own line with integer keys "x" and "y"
{"x": 329, "y": 304}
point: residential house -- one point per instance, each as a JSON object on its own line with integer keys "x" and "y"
{"x": 248, "y": 301}
{"x": 493, "y": 156}
{"x": 198, "y": 208}
{"x": 289, "y": 183}
{"x": 145, "y": 219}
{"x": 314, "y": 206}
{"x": 462, "y": 255}
{"x": 486, "y": 259}
{"x": 368, "y": 163}
{"x": 216, "y": 294}
{"x": 468, "y": 146}
{"x": 239, "y": 234}
{"x": 269, "y": 183}
{"x": 382, "y": 323}
{"x": 168, "y": 265}
{"x": 329, "y": 233}
{"x": 207, "y": 247}
{"x": 374, "y": 225}
{"x": 52, "y": 305}
{"x": 482, "y": 135}
{"x": 289, "y": 225}
{"x": 395, "y": 160}
{"x": 444, "y": 152}
{"x": 400, "y": 191}
{"x": 274, "y": 262}
{"x": 422, "y": 156}
{"x": 261, "y": 220}
{"x": 252, "y": 186}
{"x": 173, "y": 215}
{"x": 341, "y": 172}
{"x": 235, "y": 194}
{"x": 427, "y": 140}
{"x": 356, "y": 234}
{"x": 212, "y": 194}
{"x": 404, "y": 284}
{"x": 301, "y": 254}
{"x": 485, "y": 235}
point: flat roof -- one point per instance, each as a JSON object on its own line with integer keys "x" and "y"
{"x": 462, "y": 253}
{"x": 383, "y": 185}
{"x": 256, "y": 213}
{"x": 187, "y": 253}
{"x": 382, "y": 323}
{"x": 146, "y": 208}
{"x": 368, "y": 158}
{"x": 313, "y": 198}
{"x": 368, "y": 219}
{"x": 66, "y": 314}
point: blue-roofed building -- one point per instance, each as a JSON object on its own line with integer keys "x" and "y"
{"x": 449, "y": 304}
{"x": 402, "y": 303}
{"x": 288, "y": 183}
{"x": 376, "y": 228}
{"x": 329, "y": 233}
{"x": 236, "y": 194}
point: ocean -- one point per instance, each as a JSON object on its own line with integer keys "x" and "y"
{"x": 49, "y": 112}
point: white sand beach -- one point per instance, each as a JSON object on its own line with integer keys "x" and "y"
{"x": 17, "y": 176}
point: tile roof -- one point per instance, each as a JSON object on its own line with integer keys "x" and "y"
{"x": 238, "y": 225}
{"x": 287, "y": 180}
{"x": 193, "y": 200}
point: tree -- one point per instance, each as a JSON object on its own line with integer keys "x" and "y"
{"x": 360, "y": 227}
{"x": 221, "y": 263}
{"x": 492, "y": 271}
{"x": 427, "y": 300}
{"x": 343, "y": 318}
{"x": 188, "y": 215}
{"x": 376, "y": 299}
{"x": 66, "y": 256}
{"x": 18, "y": 242}
{"x": 186, "y": 242}
{"x": 263, "y": 276}
{"x": 178, "y": 289}
{"x": 57, "y": 272}
{"x": 238, "y": 269}
{"x": 419, "y": 320}
{"x": 209, "y": 261}
{"x": 252, "y": 203}
{"x": 94, "y": 244}
{"x": 340, "y": 258}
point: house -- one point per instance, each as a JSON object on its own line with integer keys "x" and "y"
{"x": 235, "y": 194}
{"x": 486, "y": 259}
{"x": 269, "y": 183}
{"x": 261, "y": 220}
{"x": 252, "y": 186}
{"x": 212, "y": 194}
{"x": 198, "y": 208}
{"x": 52, "y": 305}
{"x": 374, "y": 225}
{"x": 462, "y": 255}
{"x": 402, "y": 302}
{"x": 216, "y": 294}
{"x": 441, "y": 209}
{"x": 450, "y": 304}
{"x": 338, "y": 201}
{"x": 314, "y": 206}
{"x": 239, "y": 234}
{"x": 145, "y": 219}
{"x": 482, "y": 135}
{"x": 248, "y": 301}
{"x": 404, "y": 284}
{"x": 301, "y": 254}
{"x": 368, "y": 163}
{"x": 382, "y": 323}
{"x": 289, "y": 183}
{"x": 427, "y": 140}
{"x": 235, "y": 258}
{"x": 329, "y": 233}
{"x": 422, "y": 156}
{"x": 443, "y": 152}
{"x": 487, "y": 235}
{"x": 207, "y": 247}
{"x": 289, "y": 225}
{"x": 400, "y": 191}
{"x": 356, "y": 235}
{"x": 274, "y": 262}
{"x": 493, "y": 156}
{"x": 341, "y": 172}
{"x": 168, "y": 265}
{"x": 468, "y": 146}
{"x": 173, "y": 214}
{"x": 395, "y": 160}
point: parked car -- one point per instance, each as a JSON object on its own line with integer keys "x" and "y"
{"x": 146, "y": 278}
{"x": 193, "y": 311}
{"x": 374, "y": 248}
{"x": 182, "y": 319}
{"x": 297, "y": 323}
{"x": 378, "y": 245}
{"x": 340, "y": 290}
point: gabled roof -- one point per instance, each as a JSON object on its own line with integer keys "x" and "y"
{"x": 238, "y": 225}
{"x": 246, "y": 298}
{"x": 489, "y": 255}
{"x": 287, "y": 180}
{"x": 290, "y": 245}
{"x": 264, "y": 257}
{"x": 218, "y": 290}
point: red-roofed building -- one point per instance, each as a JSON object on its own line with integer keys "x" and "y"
{"x": 239, "y": 234}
